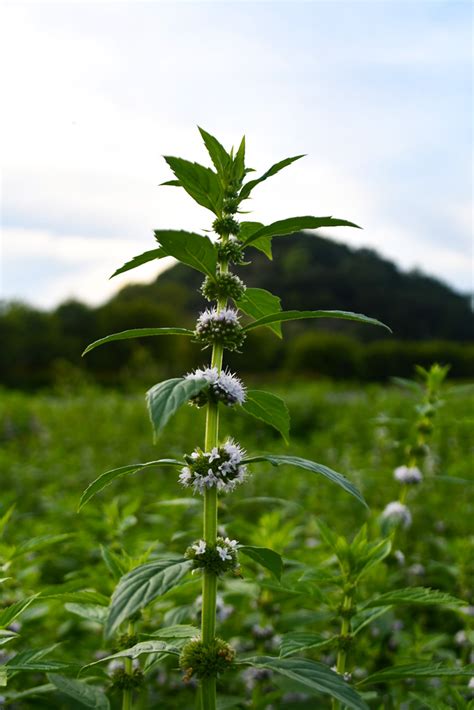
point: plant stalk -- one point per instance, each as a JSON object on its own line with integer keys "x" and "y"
{"x": 127, "y": 699}
{"x": 209, "y": 582}
{"x": 342, "y": 653}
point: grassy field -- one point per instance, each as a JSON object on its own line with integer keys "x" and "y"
{"x": 53, "y": 445}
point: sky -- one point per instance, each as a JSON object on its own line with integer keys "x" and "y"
{"x": 377, "y": 93}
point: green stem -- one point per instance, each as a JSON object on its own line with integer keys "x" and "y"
{"x": 127, "y": 701}
{"x": 345, "y": 631}
{"x": 209, "y": 581}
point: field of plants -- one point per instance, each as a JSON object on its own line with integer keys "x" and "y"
{"x": 60, "y": 567}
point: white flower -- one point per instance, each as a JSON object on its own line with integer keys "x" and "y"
{"x": 470, "y": 685}
{"x": 209, "y": 373}
{"x": 229, "y": 388}
{"x": 221, "y": 468}
{"x": 397, "y": 512}
{"x": 223, "y": 553}
{"x": 408, "y": 474}
{"x": 199, "y": 547}
{"x": 225, "y": 315}
{"x": 233, "y": 544}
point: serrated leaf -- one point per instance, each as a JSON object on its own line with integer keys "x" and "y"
{"x": 258, "y": 303}
{"x": 165, "y": 398}
{"x": 106, "y": 478}
{"x": 314, "y": 467}
{"x": 12, "y": 612}
{"x": 264, "y": 244}
{"x": 314, "y": 676}
{"x": 270, "y": 409}
{"x": 416, "y": 670}
{"x": 39, "y": 666}
{"x": 176, "y": 632}
{"x": 200, "y": 183}
{"x": 265, "y": 557}
{"x": 39, "y": 543}
{"x": 299, "y": 641}
{"x": 141, "y": 586}
{"x": 144, "y": 647}
{"x": 189, "y": 248}
{"x": 217, "y": 152}
{"x": 91, "y": 612}
{"x": 115, "y": 564}
{"x": 292, "y": 225}
{"x": 88, "y": 695}
{"x": 415, "y": 595}
{"x": 248, "y": 187}
{"x": 139, "y": 260}
{"x": 301, "y": 315}
{"x": 37, "y": 690}
{"x": 365, "y": 617}
{"x": 136, "y": 333}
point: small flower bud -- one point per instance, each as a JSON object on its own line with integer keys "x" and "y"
{"x": 218, "y": 559}
{"x": 226, "y": 226}
{"x": 223, "y": 286}
{"x": 396, "y": 513}
{"x": 231, "y": 251}
{"x": 206, "y": 660}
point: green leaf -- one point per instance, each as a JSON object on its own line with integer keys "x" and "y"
{"x": 7, "y": 636}
{"x": 39, "y": 543}
{"x": 299, "y": 315}
{"x": 265, "y": 557}
{"x": 200, "y": 183}
{"x": 178, "y": 632}
{"x": 137, "y": 333}
{"x": 415, "y": 595}
{"x": 165, "y": 398}
{"x": 238, "y": 166}
{"x": 299, "y": 641}
{"x": 10, "y": 613}
{"x": 141, "y": 586}
{"x": 270, "y": 409}
{"x": 365, "y": 617}
{"x": 328, "y": 473}
{"x": 258, "y": 303}
{"x": 189, "y": 248}
{"x": 295, "y": 224}
{"x": 115, "y": 564}
{"x": 248, "y": 187}
{"x": 88, "y": 695}
{"x": 313, "y": 676}
{"x": 39, "y": 666}
{"x": 106, "y": 478}
{"x": 139, "y": 649}
{"x": 139, "y": 260}
{"x": 264, "y": 244}
{"x": 91, "y": 612}
{"x": 217, "y": 152}
{"x": 416, "y": 670}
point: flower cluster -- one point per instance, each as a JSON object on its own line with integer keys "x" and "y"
{"x": 205, "y": 660}
{"x": 408, "y": 474}
{"x": 396, "y": 513}
{"x": 223, "y": 387}
{"x": 221, "y": 468}
{"x": 231, "y": 250}
{"x": 226, "y": 225}
{"x": 223, "y": 286}
{"x": 220, "y": 327}
{"x": 218, "y": 559}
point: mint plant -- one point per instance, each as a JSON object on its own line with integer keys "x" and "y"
{"x": 216, "y": 466}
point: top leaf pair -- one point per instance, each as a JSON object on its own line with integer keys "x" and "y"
{"x": 223, "y": 188}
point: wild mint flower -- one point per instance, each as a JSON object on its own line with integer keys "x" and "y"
{"x": 220, "y": 327}
{"x": 221, "y": 468}
{"x": 199, "y": 547}
{"x": 225, "y": 285}
{"x": 224, "y": 387}
{"x": 231, "y": 251}
{"x": 408, "y": 474}
{"x": 397, "y": 513}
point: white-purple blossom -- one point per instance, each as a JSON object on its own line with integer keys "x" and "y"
{"x": 221, "y": 468}
{"x": 408, "y": 474}
{"x": 397, "y": 512}
{"x": 199, "y": 547}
